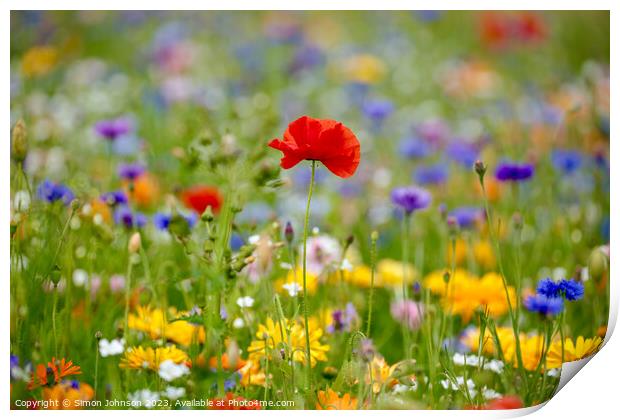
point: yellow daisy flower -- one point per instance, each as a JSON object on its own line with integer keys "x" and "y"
{"x": 152, "y": 322}
{"x": 390, "y": 273}
{"x": 149, "y": 358}
{"x": 580, "y": 349}
{"x": 294, "y": 281}
{"x": 288, "y": 334}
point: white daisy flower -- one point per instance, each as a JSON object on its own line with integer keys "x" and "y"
{"x": 169, "y": 371}
{"x": 245, "y": 301}
{"x": 111, "y": 347}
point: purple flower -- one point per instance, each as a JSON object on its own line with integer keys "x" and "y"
{"x": 515, "y": 172}
{"x": 130, "y": 171}
{"x": 51, "y": 192}
{"x": 408, "y": 312}
{"x": 547, "y": 306}
{"x": 343, "y": 320}
{"x": 414, "y": 148}
{"x": 113, "y": 129}
{"x": 124, "y": 216}
{"x": 467, "y": 216}
{"x": 114, "y": 198}
{"x": 411, "y": 198}
{"x": 431, "y": 174}
{"x": 434, "y": 132}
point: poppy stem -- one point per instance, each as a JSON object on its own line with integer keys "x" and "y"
{"x": 305, "y": 297}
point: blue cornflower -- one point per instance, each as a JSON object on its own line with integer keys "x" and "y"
{"x": 114, "y": 198}
{"x": 566, "y": 161}
{"x": 236, "y": 242}
{"x": 515, "y": 172}
{"x": 414, "y": 148}
{"x": 51, "y": 192}
{"x": 548, "y": 288}
{"x": 378, "y": 109}
{"x": 124, "y": 216}
{"x": 411, "y": 198}
{"x": 467, "y": 216}
{"x": 463, "y": 153}
{"x": 431, "y": 174}
{"x": 573, "y": 290}
{"x": 162, "y": 220}
{"x": 548, "y": 306}
{"x": 569, "y": 289}
{"x": 130, "y": 171}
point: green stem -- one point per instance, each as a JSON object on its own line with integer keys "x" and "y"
{"x": 405, "y": 257}
{"x": 96, "y": 368}
{"x": 511, "y": 313}
{"x": 127, "y": 295}
{"x": 305, "y": 297}
{"x": 54, "y": 320}
{"x": 373, "y": 263}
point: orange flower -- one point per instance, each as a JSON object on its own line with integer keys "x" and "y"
{"x": 226, "y": 365}
{"x": 143, "y": 190}
{"x": 59, "y": 369}
{"x": 329, "y": 400}
{"x": 67, "y": 395}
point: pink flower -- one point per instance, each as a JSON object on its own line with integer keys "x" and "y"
{"x": 117, "y": 283}
{"x": 408, "y": 312}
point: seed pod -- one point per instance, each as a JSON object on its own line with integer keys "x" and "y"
{"x": 20, "y": 141}
{"x": 597, "y": 264}
{"x": 135, "y": 241}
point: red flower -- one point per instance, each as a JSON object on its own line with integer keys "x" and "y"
{"x": 230, "y": 402}
{"x": 199, "y": 197}
{"x": 327, "y": 141}
{"x": 509, "y": 402}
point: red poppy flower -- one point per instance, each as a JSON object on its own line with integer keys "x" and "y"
{"x": 327, "y": 141}
{"x": 509, "y": 402}
{"x": 199, "y": 197}
{"x": 230, "y": 402}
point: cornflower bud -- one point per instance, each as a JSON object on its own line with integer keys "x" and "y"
{"x": 135, "y": 241}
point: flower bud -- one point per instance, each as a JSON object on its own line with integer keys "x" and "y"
{"x": 134, "y": 243}
{"x": 597, "y": 264}
{"x": 20, "y": 141}
{"x": 374, "y": 236}
{"x": 453, "y": 225}
{"x": 207, "y": 215}
{"x": 98, "y": 335}
{"x": 349, "y": 240}
{"x": 480, "y": 169}
{"x": 288, "y": 232}
{"x": 517, "y": 220}
{"x": 446, "y": 277}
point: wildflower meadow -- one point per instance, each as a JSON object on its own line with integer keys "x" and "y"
{"x": 306, "y": 210}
